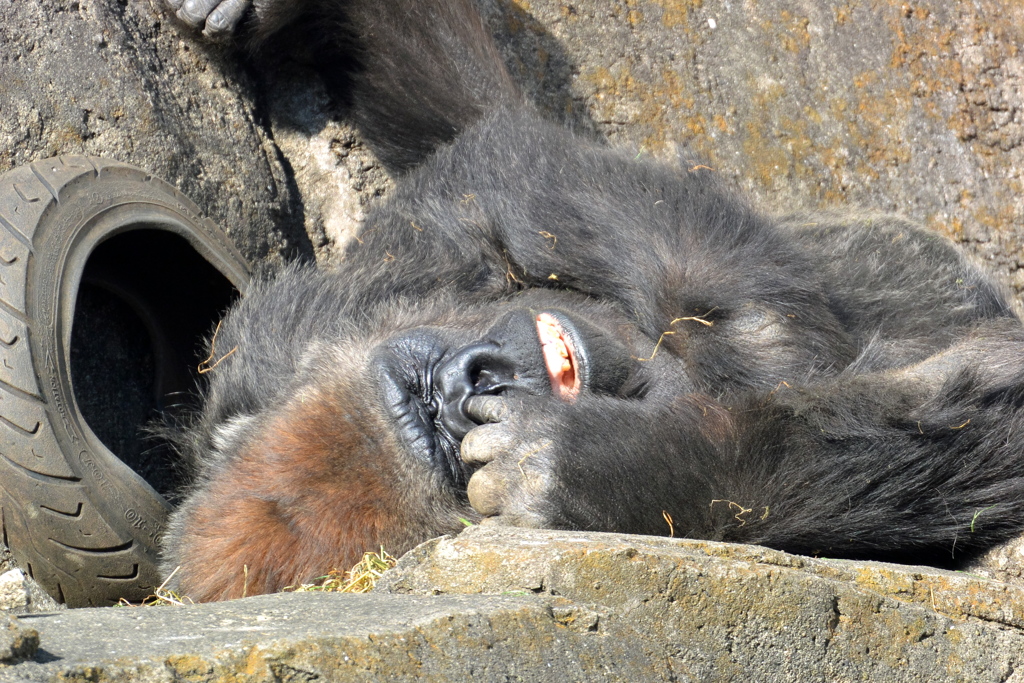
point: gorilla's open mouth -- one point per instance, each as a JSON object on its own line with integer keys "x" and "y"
{"x": 579, "y": 357}
{"x": 560, "y": 356}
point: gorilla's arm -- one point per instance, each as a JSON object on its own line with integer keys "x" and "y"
{"x": 416, "y": 73}
{"x": 494, "y": 199}
{"x": 549, "y": 464}
{"x": 919, "y": 465}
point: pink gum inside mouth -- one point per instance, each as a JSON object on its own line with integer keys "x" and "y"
{"x": 558, "y": 357}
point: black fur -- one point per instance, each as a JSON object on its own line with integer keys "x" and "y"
{"x": 848, "y": 385}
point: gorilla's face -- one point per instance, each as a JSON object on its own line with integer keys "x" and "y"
{"x": 428, "y": 377}
{"x": 365, "y": 447}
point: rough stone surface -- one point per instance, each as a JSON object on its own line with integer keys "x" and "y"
{"x": 6, "y": 561}
{"x": 14, "y": 595}
{"x": 728, "y": 612}
{"x": 1002, "y": 563}
{"x": 328, "y": 637}
{"x": 17, "y": 641}
{"x": 20, "y": 594}
{"x": 336, "y": 176}
{"x": 513, "y": 604}
{"x": 117, "y": 79}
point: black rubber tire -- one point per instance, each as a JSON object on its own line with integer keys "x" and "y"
{"x": 83, "y": 523}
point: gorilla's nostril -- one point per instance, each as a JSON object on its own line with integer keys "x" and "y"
{"x": 474, "y": 370}
{"x": 509, "y": 357}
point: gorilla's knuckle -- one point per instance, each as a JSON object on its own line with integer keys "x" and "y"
{"x": 216, "y": 26}
{"x": 188, "y": 17}
{"x": 486, "y": 491}
{"x": 485, "y": 443}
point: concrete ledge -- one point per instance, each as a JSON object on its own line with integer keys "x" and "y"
{"x": 515, "y": 604}
{"x": 717, "y": 611}
{"x": 326, "y": 637}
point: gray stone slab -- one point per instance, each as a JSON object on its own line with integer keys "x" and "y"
{"x": 326, "y": 637}
{"x": 496, "y": 604}
{"x": 720, "y": 611}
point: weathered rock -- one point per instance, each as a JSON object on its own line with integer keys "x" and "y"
{"x": 328, "y": 637}
{"x": 20, "y": 594}
{"x": 6, "y": 561}
{"x": 1002, "y": 563}
{"x": 117, "y": 79}
{"x": 498, "y": 604}
{"x": 14, "y": 594}
{"x": 17, "y": 641}
{"x": 336, "y": 175}
{"x": 717, "y": 611}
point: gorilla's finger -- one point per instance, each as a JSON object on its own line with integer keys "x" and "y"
{"x": 174, "y": 4}
{"x": 487, "y": 408}
{"x": 194, "y": 12}
{"x": 224, "y": 19}
{"x": 486, "y": 491}
{"x": 485, "y": 443}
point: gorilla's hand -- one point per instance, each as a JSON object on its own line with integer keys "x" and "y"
{"x": 215, "y": 17}
{"x": 599, "y": 463}
{"x": 515, "y": 450}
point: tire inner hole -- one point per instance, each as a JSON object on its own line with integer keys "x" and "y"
{"x": 146, "y": 301}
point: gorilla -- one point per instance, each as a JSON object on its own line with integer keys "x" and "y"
{"x": 534, "y": 329}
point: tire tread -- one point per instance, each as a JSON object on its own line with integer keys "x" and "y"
{"x": 56, "y": 515}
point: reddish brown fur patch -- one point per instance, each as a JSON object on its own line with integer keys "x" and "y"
{"x": 312, "y": 491}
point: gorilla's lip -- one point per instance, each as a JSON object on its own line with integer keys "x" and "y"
{"x": 405, "y": 377}
{"x": 560, "y": 355}
{"x": 580, "y": 356}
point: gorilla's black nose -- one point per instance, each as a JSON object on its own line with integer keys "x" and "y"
{"x": 508, "y": 357}
{"x": 473, "y": 370}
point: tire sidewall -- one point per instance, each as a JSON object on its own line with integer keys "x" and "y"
{"x": 88, "y": 213}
